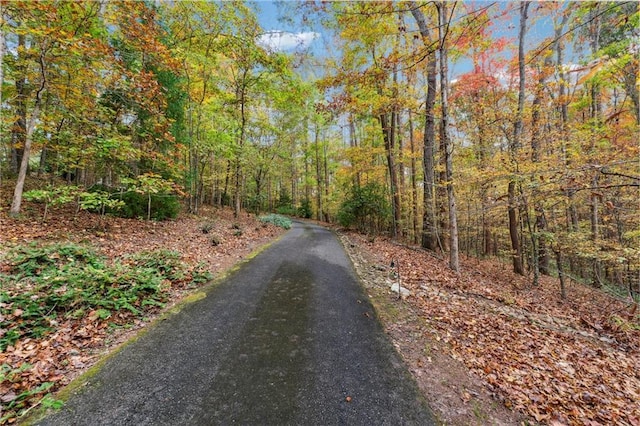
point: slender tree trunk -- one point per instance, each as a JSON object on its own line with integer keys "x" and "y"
{"x": 595, "y": 226}
{"x": 318, "y": 173}
{"x": 353, "y": 142}
{"x": 563, "y": 286}
{"x": 454, "y": 262}
{"x": 442, "y": 221}
{"x": 516, "y": 248}
{"x": 227, "y": 179}
{"x": 31, "y": 125}
{"x": 325, "y": 155}
{"x": 305, "y": 149}
{"x": 594, "y": 206}
{"x": 294, "y": 188}
{"x": 237, "y": 195}
{"x": 388, "y": 134}
{"x": 414, "y": 182}
{"x": 19, "y": 131}
{"x": 540, "y": 254}
{"x": 429, "y": 233}
{"x": 572, "y": 214}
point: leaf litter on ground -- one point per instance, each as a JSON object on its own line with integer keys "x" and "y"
{"x": 33, "y": 367}
{"x": 561, "y": 362}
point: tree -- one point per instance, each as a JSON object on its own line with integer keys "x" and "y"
{"x": 429, "y": 233}
{"x": 518, "y": 266}
{"x": 42, "y": 51}
{"x": 443, "y": 26}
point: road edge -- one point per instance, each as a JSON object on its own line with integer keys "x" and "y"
{"x": 63, "y": 394}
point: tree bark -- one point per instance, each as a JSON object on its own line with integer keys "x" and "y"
{"x": 539, "y": 246}
{"x": 318, "y": 174}
{"x": 387, "y": 122}
{"x": 454, "y": 262}
{"x": 31, "y": 125}
{"x": 237, "y": 196}
{"x": 429, "y": 235}
{"x": 516, "y": 248}
{"x": 19, "y": 131}
{"x": 414, "y": 182}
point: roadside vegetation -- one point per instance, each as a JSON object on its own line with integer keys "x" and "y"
{"x": 41, "y": 285}
{"x": 485, "y": 339}
{"x": 468, "y": 129}
{"x": 277, "y": 220}
{"x": 75, "y": 283}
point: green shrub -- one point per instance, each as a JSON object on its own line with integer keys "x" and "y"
{"x": 286, "y": 210}
{"x": 305, "y": 210}
{"x": 99, "y": 202}
{"x": 42, "y": 283}
{"x": 277, "y": 220}
{"x": 163, "y": 205}
{"x": 367, "y": 209}
{"x": 52, "y": 196}
{"x": 255, "y": 203}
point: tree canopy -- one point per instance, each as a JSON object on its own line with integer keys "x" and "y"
{"x": 492, "y": 129}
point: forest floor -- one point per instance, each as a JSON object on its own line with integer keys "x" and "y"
{"x": 486, "y": 340}
{"x": 484, "y": 346}
{"x": 34, "y": 367}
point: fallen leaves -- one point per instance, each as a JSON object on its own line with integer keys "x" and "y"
{"x": 32, "y": 368}
{"x": 560, "y": 362}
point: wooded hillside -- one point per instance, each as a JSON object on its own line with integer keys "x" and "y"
{"x": 504, "y": 130}
{"x": 529, "y": 153}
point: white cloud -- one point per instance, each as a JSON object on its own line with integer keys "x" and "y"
{"x": 284, "y": 40}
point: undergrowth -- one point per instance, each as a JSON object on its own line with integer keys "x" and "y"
{"x": 277, "y": 220}
{"x": 41, "y": 284}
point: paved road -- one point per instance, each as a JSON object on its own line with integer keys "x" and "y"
{"x": 289, "y": 338}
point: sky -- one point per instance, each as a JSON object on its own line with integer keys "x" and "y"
{"x": 282, "y": 34}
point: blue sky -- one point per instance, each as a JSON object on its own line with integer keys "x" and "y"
{"x": 283, "y": 34}
{"x": 290, "y": 36}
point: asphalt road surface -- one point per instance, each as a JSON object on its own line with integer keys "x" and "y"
{"x": 288, "y": 339}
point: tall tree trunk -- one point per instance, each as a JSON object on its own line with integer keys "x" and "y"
{"x": 596, "y": 119}
{"x": 387, "y": 122}
{"x": 414, "y": 182}
{"x": 19, "y": 131}
{"x": 227, "y": 179}
{"x": 595, "y": 226}
{"x": 305, "y": 150}
{"x": 325, "y": 160}
{"x": 353, "y": 142}
{"x": 442, "y": 220}
{"x": 318, "y": 174}
{"x": 237, "y": 195}
{"x": 558, "y": 47}
{"x": 563, "y": 287}
{"x": 572, "y": 214}
{"x": 31, "y": 125}
{"x": 516, "y": 248}
{"x": 539, "y": 246}
{"x": 429, "y": 233}
{"x": 454, "y": 262}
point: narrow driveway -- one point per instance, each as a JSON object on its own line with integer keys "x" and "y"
{"x": 289, "y": 338}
